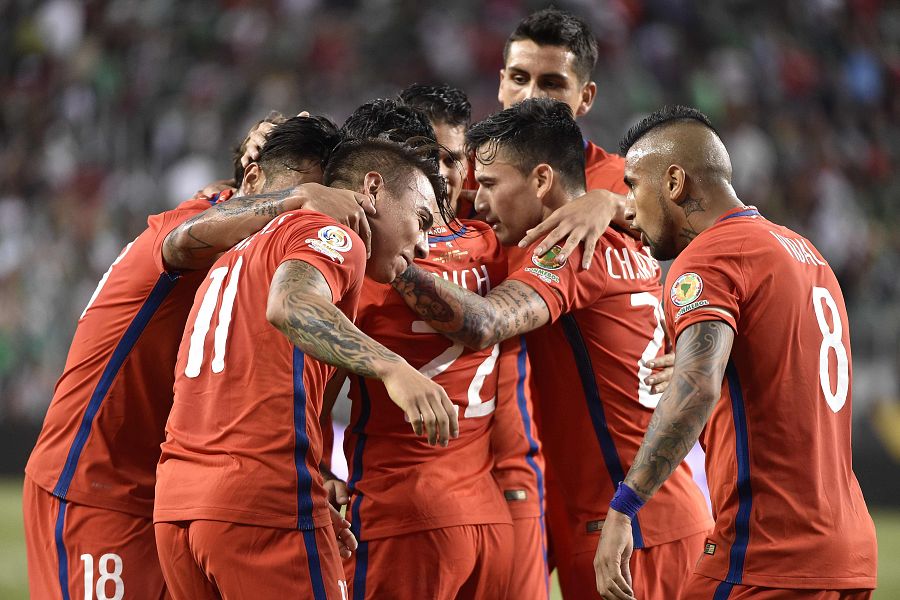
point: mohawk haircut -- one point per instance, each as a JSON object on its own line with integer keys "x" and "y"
{"x": 396, "y": 161}
{"x": 534, "y": 131}
{"x": 662, "y": 117}
{"x": 440, "y": 103}
{"x": 293, "y": 140}
{"x": 387, "y": 118}
{"x": 554, "y": 27}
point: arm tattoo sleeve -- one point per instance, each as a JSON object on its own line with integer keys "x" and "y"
{"x": 512, "y": 308}
{"x": 302, "y": 299}
{"x": 701, "y": 354}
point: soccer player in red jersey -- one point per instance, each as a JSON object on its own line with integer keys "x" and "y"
{"x": 590, "y": 330}
{"x": 762, "y": 375}
{"x": 88, "y": 496}
{"x": 238, "y": 481}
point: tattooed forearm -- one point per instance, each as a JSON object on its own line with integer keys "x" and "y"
{"x": 510, "y": 309}
{"x": 701, "y": 354}
{"x": 300, "y": 307}
{"x": 198, "y": 241}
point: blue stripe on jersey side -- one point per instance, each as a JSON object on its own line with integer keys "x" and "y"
{"x": 362, "y": 552}
{"x": 447, "y": 238}
{"x": 315, "y": 566}
{"x": 61, "y": 554}
{"x": 301, "y": 447}
{"x": 595, "y": 408}
{"x": 164, "y": 285}
{"x": 522, "y": 403}
{"x": 723, "y": 591}
{"x": 745, "y": 496}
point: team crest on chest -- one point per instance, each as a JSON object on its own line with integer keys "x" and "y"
{"x": 686, "y": 289}
{"x": 332, "y": 241}
{"x": 549, "y": 260}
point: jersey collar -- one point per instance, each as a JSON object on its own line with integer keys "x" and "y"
{"x": 739, "y": 211}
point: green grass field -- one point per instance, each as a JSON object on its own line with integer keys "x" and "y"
{"x": 14, "y": 578}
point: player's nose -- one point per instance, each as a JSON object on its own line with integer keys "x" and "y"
{"x": 421, "y": 248}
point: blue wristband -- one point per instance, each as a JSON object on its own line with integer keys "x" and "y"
{"x": 626, "y": 501}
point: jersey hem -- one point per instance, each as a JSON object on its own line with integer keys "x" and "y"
{"x": 386, "y": 531}
{"x": 93, "y": 500}
{"x": 800, "y": 583}
{"x": 210, "y": 513}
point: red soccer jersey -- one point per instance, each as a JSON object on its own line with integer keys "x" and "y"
{"x": 789, "y": 512}
{"x": 243, "y": 442}
{"x": 100, "y": 442}
{"x": 603, "y": 170}
{"x": 401, "y": 484}
{"x": 592, "y": 408}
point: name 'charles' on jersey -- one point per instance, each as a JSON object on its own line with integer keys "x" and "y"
{"x": 788, "y": 509}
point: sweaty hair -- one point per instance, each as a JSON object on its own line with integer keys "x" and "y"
{"x": 387, "y": 118}
{"x": 534, "y": 131}
{"x": 294, "y": 140}
{"x": 440, "y": 103}
{"x": 396, "y": 161}
{"x": 554, "y": 27}
{"x": 664, "y": 116}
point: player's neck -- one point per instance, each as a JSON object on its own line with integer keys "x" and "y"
{"x": 555, "y": 199}
{"x": 703, "y": 208}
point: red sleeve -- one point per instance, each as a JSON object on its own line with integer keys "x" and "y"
{"x": 334, "y": 250}
{"x": 705, "y": 283}
{"x": 165, "y": 223}
{"x": 564, "y": 286}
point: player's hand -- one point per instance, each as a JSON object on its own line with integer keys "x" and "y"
{"x": 663, "y": 367}
{"x": 338, "y": 493}
{"x": 256, "y": 137}
{"x": 583, "y": 220}
{"x": 214, "y": 188}
{"x": 425, "y": 403}
{"x": 611, "y": 563}
{"x": 345, "y": 207}
{"x": 347, "y": 543}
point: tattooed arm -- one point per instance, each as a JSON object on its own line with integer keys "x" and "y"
{"x": 510, "y": 309}
{"x": 198, "y": 242}
{"x": 701, "y": 354}
{"x": 301, "y": 307}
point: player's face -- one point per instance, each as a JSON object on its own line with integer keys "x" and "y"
{"x": 403, "y": 215}
{"x": 652, "y": 211}
{"x": 454, "y": 163}
{"x": 507, "y": 199}
{"x": 534, "y": 71}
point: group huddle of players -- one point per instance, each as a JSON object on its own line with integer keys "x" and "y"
{"x": 502, "y": 387}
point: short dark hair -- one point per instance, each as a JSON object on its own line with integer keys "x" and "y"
{"x": 293, "y": 140}
{"x": 387, "y": 118}
{"x": 440, "y": 103}
{"x": 554, "y": 27}
{"x": 534, "y": 131}
{"x": 352, "y": 159}
{"x": 663, "y": 116}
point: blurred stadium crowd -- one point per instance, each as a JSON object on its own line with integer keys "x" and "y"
{"x": 112, "y": 110}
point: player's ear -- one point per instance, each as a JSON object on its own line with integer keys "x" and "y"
{"x": 373, "y": 184}
{"x": 542, "y": 177}
{"x": 588, "y": 93}
{"x": 254, "y": 179}
{"x": 675, "y": 183}
{"x": 500, "y": 87}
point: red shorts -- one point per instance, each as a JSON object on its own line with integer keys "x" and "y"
{"x": 220, "y": 560}
{"x": 72, "y": 546}
{"x": 657, "y": 573}
{"x": 700, "y": 587}
{"x": 467, "y": 561}
{"x": 530, "y": 578}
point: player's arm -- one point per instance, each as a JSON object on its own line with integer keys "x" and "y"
{"x": 198, "y": 242}
{"x": 511, "y": 308}
{"x": 300, "y": 306}
{"x": 701, "y": 355}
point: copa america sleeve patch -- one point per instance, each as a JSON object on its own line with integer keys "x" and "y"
{"x": 332, "y": 241}
{"x": 685, "y": 293}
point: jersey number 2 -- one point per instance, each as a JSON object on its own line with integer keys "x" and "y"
{"x": 832, "y": 339}
{"x": 647, "y": 299}
{"x": 203, "y": 320}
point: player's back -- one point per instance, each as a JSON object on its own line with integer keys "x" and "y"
{"x": 393, "y": 472}
{"x": 100, "y": 441}
{"x": 242, "y": 441}
{"x": 593, "y": 409}
{"x": 789, "y": 511}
